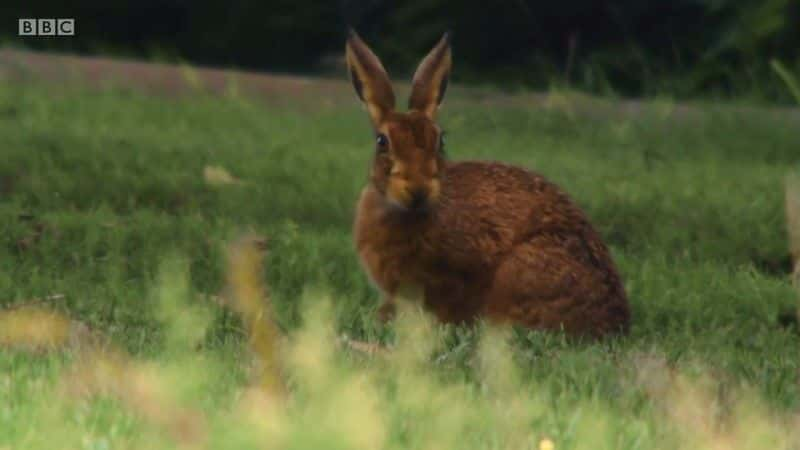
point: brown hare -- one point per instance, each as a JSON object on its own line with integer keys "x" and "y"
{"x": 478, "y": 239}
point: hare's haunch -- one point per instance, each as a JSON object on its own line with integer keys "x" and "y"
{"x": 478, "y": 238}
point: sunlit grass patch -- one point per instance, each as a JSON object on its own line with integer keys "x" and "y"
{"x": 334, "y": 399}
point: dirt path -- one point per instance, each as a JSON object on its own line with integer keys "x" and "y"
{"x": 160, "y": 79}
{"x": 172, "y": 80}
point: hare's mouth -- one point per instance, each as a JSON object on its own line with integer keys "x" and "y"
{"x": 420, "y": 207}
{"x": 417, "y": 198}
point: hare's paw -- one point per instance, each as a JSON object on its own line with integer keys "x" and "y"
{"x": 386, "y": 311}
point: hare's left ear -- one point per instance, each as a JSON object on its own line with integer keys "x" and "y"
{"x": 430, "y": 79}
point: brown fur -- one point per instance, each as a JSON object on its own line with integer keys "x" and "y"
{"x": 491, "y": 240}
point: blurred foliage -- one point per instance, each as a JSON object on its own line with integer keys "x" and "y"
{"x": 788, "y": 78}
{"x": 628, "y": 47}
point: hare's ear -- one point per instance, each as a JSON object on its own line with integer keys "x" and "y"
{"x": 430, "y": 79}
{"x": 369, "y": 78}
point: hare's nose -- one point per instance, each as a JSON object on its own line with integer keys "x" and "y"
{"x": 419, "y": 198}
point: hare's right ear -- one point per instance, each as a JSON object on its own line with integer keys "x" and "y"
{"x": 430, "y": 79}
{"x": 369, "y": 78}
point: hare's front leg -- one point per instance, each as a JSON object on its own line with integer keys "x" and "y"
{"x": 387, "y": 310}
{"x": 383, "y": 280}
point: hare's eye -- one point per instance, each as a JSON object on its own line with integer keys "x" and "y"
{"x": 381, "y": 142}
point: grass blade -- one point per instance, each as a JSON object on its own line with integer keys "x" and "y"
{"x": 788, "y": 78}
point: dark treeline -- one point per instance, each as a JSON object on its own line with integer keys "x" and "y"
{"x": 632, "y": 47}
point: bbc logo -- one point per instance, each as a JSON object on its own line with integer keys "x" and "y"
{"x": 46, "y": 27}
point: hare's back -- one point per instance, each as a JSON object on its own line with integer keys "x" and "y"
{"x": 507, "y": 195}
{"x": 488, "y": 207}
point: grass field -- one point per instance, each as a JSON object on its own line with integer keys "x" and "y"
{"x": 107, "y": 218}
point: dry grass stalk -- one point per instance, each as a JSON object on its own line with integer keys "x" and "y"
{"x": 368, "y": 348}
{"x": 249, "y": 298}
{"x": 141, "y": 388}
{"x": 36, "y": 301}
{"x": 34, "y": 328}
{"x": 709, "y": 417}
{"x": 219, "y": 176}
{"x": 793, "y": 228}
{"x": 793, "y": 220}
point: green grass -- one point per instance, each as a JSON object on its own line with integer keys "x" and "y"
{"x": 99, "y": 189}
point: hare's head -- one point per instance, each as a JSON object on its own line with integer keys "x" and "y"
{"x": 409, "y": 146}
